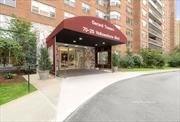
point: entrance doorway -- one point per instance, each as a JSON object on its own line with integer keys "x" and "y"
{"x": 70, "y": 57}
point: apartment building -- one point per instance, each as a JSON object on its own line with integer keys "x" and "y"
{"x": 146, "y": 23}
{"x": 178, "y": 33}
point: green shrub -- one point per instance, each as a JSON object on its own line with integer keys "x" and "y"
{"x": 115, "y": 59}
{"x": 9, "y": 76}
{"x": 138, "y": 60}
{"x": 174, "y": 58}
{"x": 152, "y": 57}
{"x": 127, "y": 62}
{"x": 44, "y": 62}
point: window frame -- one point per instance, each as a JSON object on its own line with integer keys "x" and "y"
{"x": 4, "y": 3}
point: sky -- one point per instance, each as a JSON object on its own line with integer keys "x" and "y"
{"x": 178, "y": 9}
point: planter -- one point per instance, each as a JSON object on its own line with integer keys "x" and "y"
{"x": 115, "y": 68}
{"x": 43, "y": 75}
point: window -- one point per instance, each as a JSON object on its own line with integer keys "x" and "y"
{"x": 115, "y": 2}
{"x": 130, "y": 1}
{"x": 9, "y": 2}
{"x": 71, "y": 3}
{"x": 101, "y": 14}
{"x": 144, "y": 2}
{"x": 103, "y": 57}
{"x": 85, "y": 8}
{"x": 102, "y": 2}
{"x": 144, "y": 12}
{"x": 4, "y": 21}
{"x": 118, "y": 27}
{"x": 129, "y": 10}
{"x": 115, "y": 15}
{"x": 129, "y": 32}
{"x": 68, "y": 15}
{"x": 144, "y": 34}
{"x": 144, "y": 23}
{"x": 43, "y": 9}
{"x": 129, "y": 21}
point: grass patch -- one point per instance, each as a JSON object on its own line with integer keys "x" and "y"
{"x": 145, "y": 69}
{"x": 11, "y": 91}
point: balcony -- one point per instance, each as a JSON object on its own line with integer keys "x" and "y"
{"x": 158, "y": 3}
{"x": 155, "y": 15}
{"x": 154, "y": 45}
{"x": 154, "y": 6}
{"x": 155, "y": 28}
{"x": 155, "y": 24}
{"x": 155, "y": 33}
{"x": 156, "y": 42}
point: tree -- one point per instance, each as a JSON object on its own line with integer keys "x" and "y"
{"x": 21, "y": 31}
{"x": 152, "y": 57}
{"x": 8, "y": 45}
{"x": 44, "y": 61}
{"x": 174, "y": 58}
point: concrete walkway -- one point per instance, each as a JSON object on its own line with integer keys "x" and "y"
{"x": 39, "y": 106}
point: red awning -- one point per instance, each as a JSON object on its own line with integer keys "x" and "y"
{"x": 88, "y": 25}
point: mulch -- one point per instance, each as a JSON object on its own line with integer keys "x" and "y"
{"x": 18, "y": 78}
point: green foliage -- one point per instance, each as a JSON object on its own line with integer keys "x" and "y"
{"x": 174, "y": 58}
{"x": 152, "y": 57}
{"x": 138, "y": 60}
{"x": 21, "y": 31}
{"x": 9, "y": 76}
{"x": 9, "y": 45}
{"x": 115, "y": 59}
{"x": 44, "y": 62}
{"x": 127, "y": 62}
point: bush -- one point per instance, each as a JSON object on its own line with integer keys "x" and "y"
{"x": 138, "y": 60}
{"x": 115, "y": 59}
{"x": 9, "y": 76}
{"x": 44, "y": 62}
{"x": 153, "y": 58}
{"x": 127, "y": 62}
{"x": 174, "y": 58}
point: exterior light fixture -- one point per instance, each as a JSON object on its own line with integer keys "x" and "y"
{"x": 103, "y": 43}
{"x": 96, "y": 44}
{"x": 80, "y": 38}
{"x": 74, "y": 41}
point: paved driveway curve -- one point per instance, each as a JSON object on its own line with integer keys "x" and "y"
{"x": 146, "y": 98}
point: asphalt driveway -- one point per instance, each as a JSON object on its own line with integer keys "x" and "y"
{"x": 146, "y": 98}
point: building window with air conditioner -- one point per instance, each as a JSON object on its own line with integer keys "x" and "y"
{"x": 43, "y": 9}
{"x": 115, "y": 15}
{"x": 71, "y": 3}
{"x": 86, "y": 8}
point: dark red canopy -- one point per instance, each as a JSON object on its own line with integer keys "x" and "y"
{"x": 91, "y": 29}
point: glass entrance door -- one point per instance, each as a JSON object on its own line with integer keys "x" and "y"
{"x": 67, "y": 58}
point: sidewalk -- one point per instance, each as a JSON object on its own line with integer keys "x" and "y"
{"x": 77, "y": 90}
{"x": 39, "y": 106}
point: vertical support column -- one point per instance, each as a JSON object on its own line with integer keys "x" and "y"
{"x": 52, "y": 43}
{"x": 110, "y": 57}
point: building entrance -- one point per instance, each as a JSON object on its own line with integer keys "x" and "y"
{"x": 70, "y": 57}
